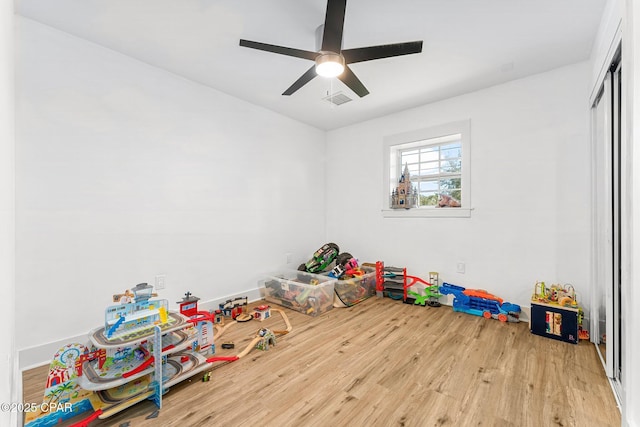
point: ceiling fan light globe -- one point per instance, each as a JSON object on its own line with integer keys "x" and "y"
{"x": 329, "y": 65}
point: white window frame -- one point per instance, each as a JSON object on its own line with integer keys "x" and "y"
{"x": 394, "y": 143}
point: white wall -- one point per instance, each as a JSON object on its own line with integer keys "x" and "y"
{"x": 125, "y": 171}
{"x": 530, "y": 159}
{"x": 631, "y": 287}
{"x": 9, "y": 384}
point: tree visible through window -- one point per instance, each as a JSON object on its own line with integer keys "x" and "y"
{"x": 435, "y": 166}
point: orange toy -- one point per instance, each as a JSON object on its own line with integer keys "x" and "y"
{"x": 481, "y": 293}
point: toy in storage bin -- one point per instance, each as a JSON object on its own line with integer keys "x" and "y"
{"x": 351, "y": 291}
{"x": 307, "y": 293}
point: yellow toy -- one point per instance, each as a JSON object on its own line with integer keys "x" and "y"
{"x": 540, "y": 292}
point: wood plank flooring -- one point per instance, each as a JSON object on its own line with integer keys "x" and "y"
{"x": 384, "y": 363}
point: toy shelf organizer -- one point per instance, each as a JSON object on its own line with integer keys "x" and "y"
{"x": 390, "y": 281}
{"x": 395, "y": 283}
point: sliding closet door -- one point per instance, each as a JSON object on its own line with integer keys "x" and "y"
{"x": 602, "y": 299}
{"x": 606, "y": 316}
{"x": 616, "y": 209}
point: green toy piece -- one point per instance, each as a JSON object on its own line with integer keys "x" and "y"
{"x": 430, "y": 297}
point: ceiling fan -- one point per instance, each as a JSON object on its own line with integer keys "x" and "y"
{"x": 332, "y": 60}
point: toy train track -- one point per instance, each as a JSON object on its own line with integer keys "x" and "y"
{"x": 108, "y": 399}
{"x": 139, "y": 353}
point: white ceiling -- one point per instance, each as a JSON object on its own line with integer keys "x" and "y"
{"x": 468, "y": 45}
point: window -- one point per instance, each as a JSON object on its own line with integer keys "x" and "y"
{"x": 435, "y": 169}
{"x": 427, "y": 172}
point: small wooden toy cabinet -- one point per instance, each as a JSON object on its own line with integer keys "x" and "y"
{"x": 555, "y": 321}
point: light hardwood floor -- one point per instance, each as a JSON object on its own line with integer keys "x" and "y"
{"x": 384, "y": 363}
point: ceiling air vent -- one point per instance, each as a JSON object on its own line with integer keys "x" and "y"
{"x": 337, "y": 98}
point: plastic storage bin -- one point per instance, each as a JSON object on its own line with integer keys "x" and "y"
{"x": 307, "y": 293}
{"x": 354, "y": 290}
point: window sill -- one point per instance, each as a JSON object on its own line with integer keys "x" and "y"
{"x": 427, "y": 213}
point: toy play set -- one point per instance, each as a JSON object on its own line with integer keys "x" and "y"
{"x": 141, "y": 351}
{"x": 405, "y": 195}
{"x": 555, "y": 313}
{"x": 395, "y": 283}
{"x": 143, "y": 348}
{"x": 481, "y": 303}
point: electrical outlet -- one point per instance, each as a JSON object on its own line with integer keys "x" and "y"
{"x": 288, "y": 257}
{"x": 160, "y": 282}
{"x": 461, "y": 267}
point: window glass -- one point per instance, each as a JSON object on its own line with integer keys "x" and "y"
{"x": 427, "y": 172}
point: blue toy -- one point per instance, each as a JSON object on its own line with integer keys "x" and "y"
{"x": 481, "y": 303}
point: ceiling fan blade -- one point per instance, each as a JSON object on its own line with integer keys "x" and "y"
{"x": 333, "y": 26}
{"x": 303, "y": 80}
{"x": 383, "y": 51}
{"x": 288, "y": 51}
{"x": 349, "y": 78}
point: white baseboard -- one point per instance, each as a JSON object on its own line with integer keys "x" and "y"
{"x": 214, "y": 304}
{"x": 39, "y": 355}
